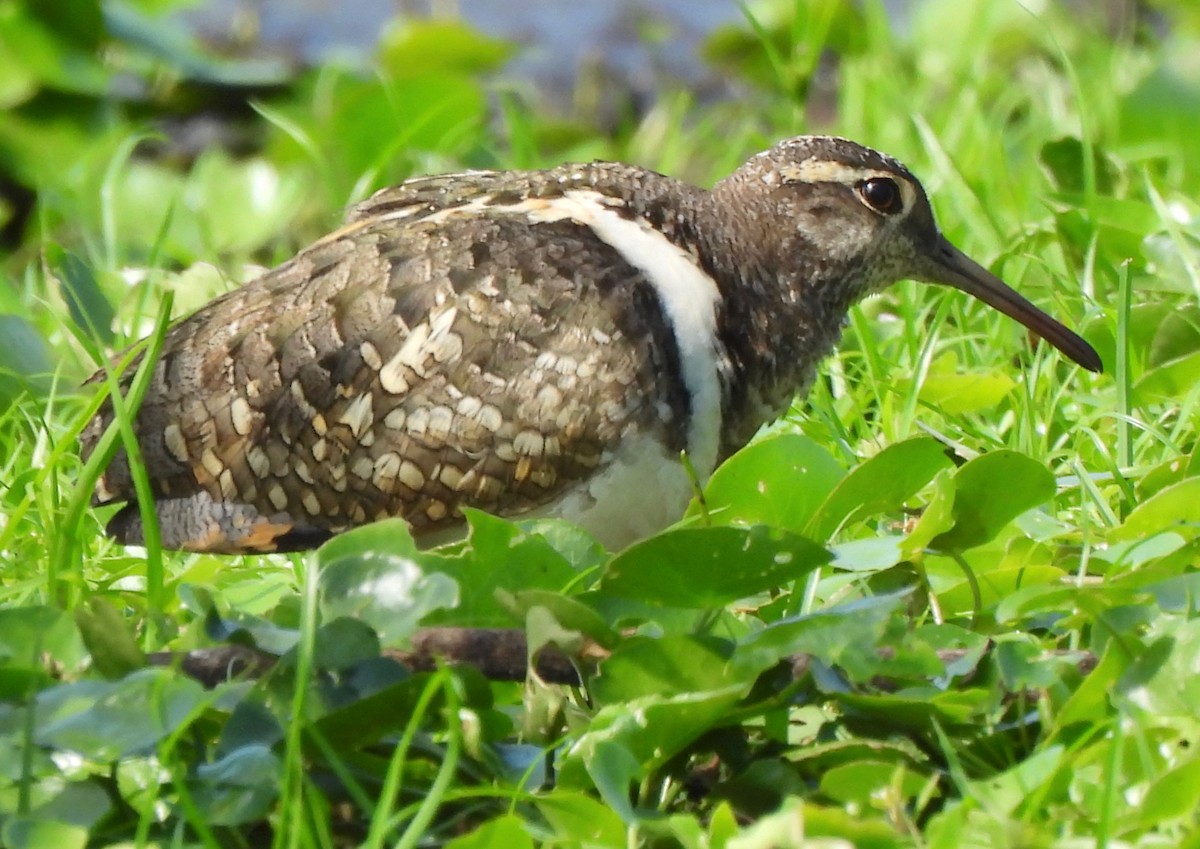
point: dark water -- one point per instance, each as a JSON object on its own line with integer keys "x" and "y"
{"x": 643, "y": 44}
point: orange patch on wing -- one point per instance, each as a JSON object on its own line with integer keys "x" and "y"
{"x": 259, "y": 538}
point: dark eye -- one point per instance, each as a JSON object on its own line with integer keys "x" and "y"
{"x": 881, "y": 194}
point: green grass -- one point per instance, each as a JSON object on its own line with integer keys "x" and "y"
{"x": 949, "y": 601}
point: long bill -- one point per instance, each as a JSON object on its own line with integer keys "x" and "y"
{"x": 951, "y": 267}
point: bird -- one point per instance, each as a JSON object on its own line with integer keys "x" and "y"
{"x": 546, "y": 343}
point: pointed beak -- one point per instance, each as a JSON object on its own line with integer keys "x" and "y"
{"x": 951, "y": 267}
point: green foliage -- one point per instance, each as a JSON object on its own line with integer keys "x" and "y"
{"x": 951, "y": 601}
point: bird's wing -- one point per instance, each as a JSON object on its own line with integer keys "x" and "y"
{"x": 426, "y": 357}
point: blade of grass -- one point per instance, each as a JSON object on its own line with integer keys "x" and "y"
{"x": 1123, "y": 376}
{"x": 120, "y": 428}
{"x": 291, "y": 791}
{"x": 383, "y": 822}
{"x": 428, "y": 806}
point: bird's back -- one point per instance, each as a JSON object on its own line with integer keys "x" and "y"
{"x": 462, "y": 340}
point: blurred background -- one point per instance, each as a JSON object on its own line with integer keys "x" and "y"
{"x": 141, "y": 140}
{"x": 155, "y": 153}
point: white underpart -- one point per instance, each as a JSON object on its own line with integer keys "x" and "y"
{"x": 642, "y": 487}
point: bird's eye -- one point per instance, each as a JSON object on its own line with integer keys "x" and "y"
{"x": 881, "y": 194}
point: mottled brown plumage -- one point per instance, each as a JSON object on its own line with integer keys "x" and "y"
{"x": 504, "y": 340}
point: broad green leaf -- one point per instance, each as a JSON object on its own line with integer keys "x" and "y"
{"x": 965, "y": 392}
{"x": 993, "y": 582}
{"x": 145, "y": 196}
{"x": 1065, "y": 159}
{"x": 1040, "y": 599}
{"x": 684, "y": 830}
{"x": 800, "y": 825}
{"x": 752, "y": 53}
{"x": 29, "y": 634}
{"x": 368, "y": 719}
{"x": 1005, "y": 793}
{"x": 76, "y": 22}
{"x": 870, "y": 554}
{"x": 222, "y": 205}
{"x": 763, "y": 785}
{"x": 240, "y": 787}
{"x": 1179, "y": 594}
{"x": 1175, "y": 508}
{"x": 81, "y": 803}
{"x": 29, "y": 833}
{"x": 236, "y": 624}
{"x": 917, "y": 709}
{"x": 508, "y": 830}
{"x": 108, "y": 637}
{"x": 425, "y": 112}
{"x": 18, "y": 83}
{"x": 882, "y": 483}
{"x": 1165, "y": 104}
{"x": 1139, "y": 550}
{"x": 936, "y": 518}
{"x": 1169, "y": 381}
{"x": 375, "y": 573}
{"x": 1162, "y": 679}
{"x": 1174, "y": 796}
{"x": 778, "y": 481}
{"x": 856, "y": 782}
{"x": 576, "y": 545}
{"x": 110, "y": 720}
{"x": 844, "y": 826}
{"x": 250, "y": 723}
{"x": 1168, "y": 470}
{"x": 568, "y": 613}
{"x": 240, "y": 205}
{"x": 710, "y": 567}
{"x": 1177, "y": 335}
{"x": 819, "y": 757}
{"x": 581, "y": 818}
{"x": 343, "y": 643}
{"x": 416, "y": 48}
{"x": 36, "y": 143}
{"x": 1119, "y": 225}
{"x": 991, "y": 491}
{"x": 785, "y": 828}
{"x": 88, "y": 305}
{"x": 25, "y": 363}
{"x": 1023, "y": 664}
{"x": 621, "y": 611}
{"x": 614, "y": 769}
{"x": 53, "y": 60}
{"x": 500, "y": 560}
{"x": 629, "y": 740}
{"x": 1090, "y": 704}
{"x": 837, "y": 636}
{"x": 722, "y": 825}
{"x": 643, "y": 666}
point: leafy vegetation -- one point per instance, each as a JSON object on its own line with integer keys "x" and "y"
{"x": 950, "y": 601}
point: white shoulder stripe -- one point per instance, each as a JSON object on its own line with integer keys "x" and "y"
{"x": 688, "y": 296}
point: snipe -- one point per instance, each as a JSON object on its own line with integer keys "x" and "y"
{"x": 542, "y": 342}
